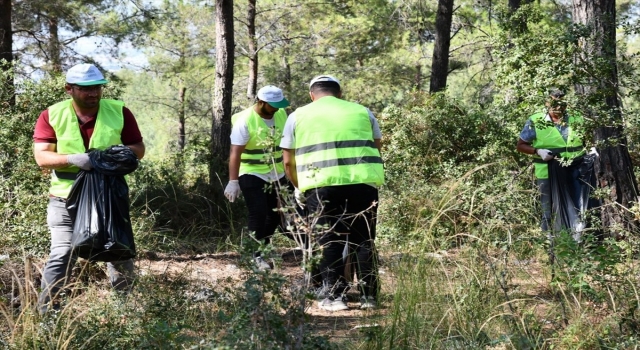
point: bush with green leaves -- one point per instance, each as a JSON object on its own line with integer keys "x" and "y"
{"x": 458, "y": 161}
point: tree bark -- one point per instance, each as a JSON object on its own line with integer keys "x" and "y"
{"x": 253, "y": 51}
{"x": 182, "y": 138}
{"x": 614, "y": 169}
{"x": 223, "y": 88}
{"x": 519, "y": 24}
{"x": 55, "y": 61}
{"x": 6, "y": 44}
{"x": 6, "y": 34}
{"x": 440, "y": 60}
{"x": 286, "y": 67}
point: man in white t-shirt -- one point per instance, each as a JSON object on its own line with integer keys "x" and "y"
{"x": 255, "y": 163}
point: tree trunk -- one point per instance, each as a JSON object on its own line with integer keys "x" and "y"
{"x": 614, "y": 169}
{"x": 253, "y": 51}
{"x": 55, "y": 60}
{"x": 6, "y": 43}
{"x": 182, "y": 138}
{"x": 223, "y": 89}
{"x": 519, "y": 24}
{"x": 6, "y": 34}
{"x": 286, "y": 67}
{"x": 440, "y": 60}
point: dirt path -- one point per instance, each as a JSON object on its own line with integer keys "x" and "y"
{"x": 211, "y": 268}
{"x": 209, "y": 271}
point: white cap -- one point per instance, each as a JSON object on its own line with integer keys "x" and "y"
{"x": 322, "y": 78}
{"x": 273, "y": 96}
{"x": 85, "y": 74}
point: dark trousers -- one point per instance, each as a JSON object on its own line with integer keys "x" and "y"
{"x": 261, "y": 199}
{"x": 346, "y": 210}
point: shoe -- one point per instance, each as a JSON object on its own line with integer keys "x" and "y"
{"x": 332, "y": 304}
{"x": 262, "y": 264}
{"x": 368, "y": 303}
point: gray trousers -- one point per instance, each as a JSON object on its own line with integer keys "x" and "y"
{"x": 58, "y": 268}
{"x": 544, "y": 186}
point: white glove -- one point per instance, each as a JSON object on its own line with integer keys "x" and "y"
{"x": 81, "y": 160}
{"x": 232, "y": 191}
{"x": 545, "y": 154}
{"x": 300, "y": 198}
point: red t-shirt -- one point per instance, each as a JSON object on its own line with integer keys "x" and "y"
{"x": 44, "y": 133}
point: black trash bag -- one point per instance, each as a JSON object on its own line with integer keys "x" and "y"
{"x": 98, "y": 204}
{"x": 570, "y": 199}
{"x": 115, "y": 160}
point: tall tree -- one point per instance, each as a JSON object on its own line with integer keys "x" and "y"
{"x": 253, "y": 51}
{"x": 223, "y": 89}
{"x": 518, "y": 21}
{"x": 6, "y": 44}
{"x": 48, "y": 30}
{"x": 6, "y": 34}
{"x": 177, "y": 48}
{"x": 599, "y": 87}
{"x": 440, "y": 59}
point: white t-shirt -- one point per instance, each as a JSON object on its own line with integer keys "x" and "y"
{"x": 240, "y": 137}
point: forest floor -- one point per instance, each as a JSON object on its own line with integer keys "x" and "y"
{"x": 211, "y": 268}
{"x": 210, "y": 271}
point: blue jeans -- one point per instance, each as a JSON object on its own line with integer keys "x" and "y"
{"x": 544, "y": 187}
{"x": 61, "y": 260}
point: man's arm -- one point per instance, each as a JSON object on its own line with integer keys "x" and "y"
{"x": 289, "y": 159}
{"x": 525, "y": 147}
{"x": 377, "y": 133}
{"x": 234, "y": 161}
{"x": 46, "y": 156}
{"x": 138, "y": 149}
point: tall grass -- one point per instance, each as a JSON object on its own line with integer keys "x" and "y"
{"x": 474, "y": 274}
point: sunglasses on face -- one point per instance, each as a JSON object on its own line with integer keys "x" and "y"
{"x": 558, "y": 103}
{"x": 92, "y": 88}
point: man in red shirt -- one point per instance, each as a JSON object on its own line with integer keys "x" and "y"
{"x": 57, "y": 146}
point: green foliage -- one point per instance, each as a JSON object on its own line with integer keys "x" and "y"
{"x": 419, "y": 137}
{"x": 23, "y": 185}
{"x": 177, "y": 210}
{"x": 454, "y": 180}
{"x": 47, "y": 46}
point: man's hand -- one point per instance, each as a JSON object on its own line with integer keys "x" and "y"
{"x": 300, "y": 198}
{"x": 545, "y": 154}
{"x": 232, "y": 191}
{"x": 81, "y": 160}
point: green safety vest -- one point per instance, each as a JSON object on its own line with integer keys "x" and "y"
{"x": 549, "y": 137}
{"x": 63, "y": 120}
{"x": 334, "y": 145}
{"x": 262, "y": 154}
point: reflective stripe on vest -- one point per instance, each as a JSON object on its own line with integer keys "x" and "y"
{"x": 106, "y": 132}
{"x": 549, "y": 137}
{"x": 262, "y": 154}
{"x": 334, "y": 145}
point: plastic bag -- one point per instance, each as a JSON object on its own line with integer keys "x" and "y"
{"x": 571, "y": 188}
{"x": 115, "y": 160}
{"x": 98, "y": 204}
